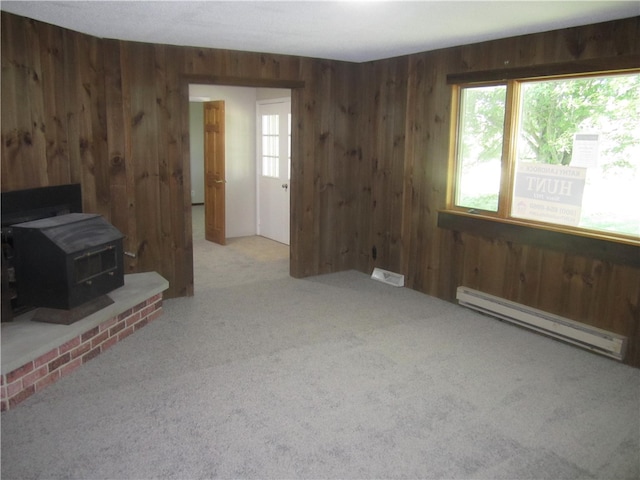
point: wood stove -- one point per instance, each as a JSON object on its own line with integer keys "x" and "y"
{"x": 19, "y": 206}
{"x": 65, "y": 261}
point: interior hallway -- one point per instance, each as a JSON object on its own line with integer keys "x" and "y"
{"x": 242, "y": 260}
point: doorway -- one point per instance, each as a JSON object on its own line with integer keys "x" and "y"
{"x": 241, "y": 166}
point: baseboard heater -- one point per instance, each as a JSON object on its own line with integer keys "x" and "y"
{"x": 585, "y": 336}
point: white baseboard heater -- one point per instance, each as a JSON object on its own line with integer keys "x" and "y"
{"x": 592, "y": 338}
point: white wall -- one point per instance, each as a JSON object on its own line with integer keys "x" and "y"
{"x": 196, "y": 151}
{"x": 240, "y": 152}
{"x": 240, "y": 146}
{"x": 270, "y": 93}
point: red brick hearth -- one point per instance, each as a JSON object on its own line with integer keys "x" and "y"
{"x": 37, "y": 374}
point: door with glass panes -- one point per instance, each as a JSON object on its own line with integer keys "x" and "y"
{"x": 274, "y": 168}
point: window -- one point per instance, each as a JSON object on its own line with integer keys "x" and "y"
{"x": 560, "y": 153}
{"x": 270, "y": 146}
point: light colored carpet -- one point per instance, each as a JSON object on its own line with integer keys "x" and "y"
{"x": 264, "y": 376}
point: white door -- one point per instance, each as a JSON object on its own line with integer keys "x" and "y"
{"x": 274, "y": 168}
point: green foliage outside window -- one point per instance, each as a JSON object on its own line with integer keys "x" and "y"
{"x": 545, "y": 122}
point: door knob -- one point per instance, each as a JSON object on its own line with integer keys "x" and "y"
{"x": 285, "y": 186}
{"x": 218, "y": 181}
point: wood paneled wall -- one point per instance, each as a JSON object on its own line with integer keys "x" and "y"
{"x": 113, "y": 116}
{"x": 592, "y": 290}
{"x": 370, "y": 153}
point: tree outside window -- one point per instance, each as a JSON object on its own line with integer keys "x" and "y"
{"x": 576, "y": 144}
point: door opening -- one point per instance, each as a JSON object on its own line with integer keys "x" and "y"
{"x": 240, "y": 169}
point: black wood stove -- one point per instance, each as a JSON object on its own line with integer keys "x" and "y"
{"x": 65, "y": 261}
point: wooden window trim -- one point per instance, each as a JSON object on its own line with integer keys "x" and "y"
{"x": 577, "y": 67}
{"x": 512, "y": 79}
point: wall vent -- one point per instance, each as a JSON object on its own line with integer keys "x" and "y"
{"x": 390, "y": 278}
{"x": 585, "y": 336}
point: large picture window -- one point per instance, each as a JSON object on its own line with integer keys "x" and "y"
{"x": 561, "y": 153}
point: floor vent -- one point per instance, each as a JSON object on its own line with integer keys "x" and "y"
{"x": 595, "y": 339}
{"x": 390, "y": 278}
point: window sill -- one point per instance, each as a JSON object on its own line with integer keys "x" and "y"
{"x": 601, "y": 247}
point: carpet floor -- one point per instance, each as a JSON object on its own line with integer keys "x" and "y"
{"x": 260, "y": 375}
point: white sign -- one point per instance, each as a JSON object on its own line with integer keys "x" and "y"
{"x": 549, "y": 193}
{"x": 585, "y": 150}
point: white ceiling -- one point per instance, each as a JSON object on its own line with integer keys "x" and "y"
{"x": 356, "y": 30}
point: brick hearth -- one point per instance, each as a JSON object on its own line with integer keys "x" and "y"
{"x": 36, "y": 354}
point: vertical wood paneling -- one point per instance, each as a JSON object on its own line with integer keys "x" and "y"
{"x": 163, "y": 95}
{"x": 86, "y": 122}
{"x": 177, "y": 233}
{"x": 53, "y": 87}
{"x": 427, "y": 135}
{"x": 92, "y": 126}
{"x": 296, "y": 186}
{"x": 73, "y": 109}
{"x": 381, "y": 141}
{"x": 529, "y": 276}
{"x": 304, "y": 224}
{"x": 344, "y": 200}
{"x": 624, "y": 308}
{"x": 116, "y": 122}
{"x": 145, "y": 156}
{"x": 437, "y": 127}
{"x": 323, "y": 169}
{"x": 35, "y": 105}
{"x": 12, "y": 41}
{"x": 362, "y": 170}
{"x": 84, "y": 96}
{"x": 23, "y": 140}
{"x": 131, "y": 235}
{"x": 414, "y": 170}
{"x": 388, "y": 179}
{"x": 379, "y": 135}
{"x": 492, "y": 263}
{"x": 437, "y": 261}
{"x": 370, "y": 158}
{"x": 120, "y": 188}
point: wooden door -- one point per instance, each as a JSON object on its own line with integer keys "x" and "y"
{"x": 214, "y": 161}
